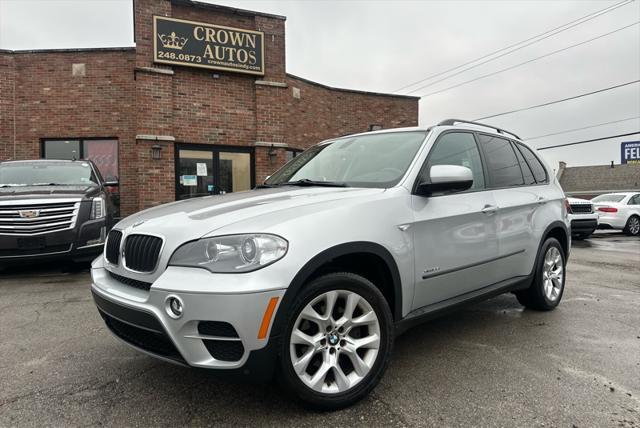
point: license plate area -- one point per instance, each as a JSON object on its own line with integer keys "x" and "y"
{"x": 31, "y": 243}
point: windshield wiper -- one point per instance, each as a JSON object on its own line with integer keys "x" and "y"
{"x": 265, "y": 186}
{"x": 306, "y": 182}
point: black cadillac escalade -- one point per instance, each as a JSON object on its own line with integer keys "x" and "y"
{"x": 53, "y": 209}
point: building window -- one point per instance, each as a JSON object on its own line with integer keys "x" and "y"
{"x": 291, "y": 153}
{"x": 102, "y": 151}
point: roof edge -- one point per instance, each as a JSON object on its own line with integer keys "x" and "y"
{"x": 70, "y": 50}
{"x": 227, "y": 9}
{"x": 355, "y": 91}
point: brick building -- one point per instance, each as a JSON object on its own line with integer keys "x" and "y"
{"x": 201, "y": 105}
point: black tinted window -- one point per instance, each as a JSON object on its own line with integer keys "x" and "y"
{"x": 503, "y": 166}
{"x": 526, "y": 171}
{"x": 538, "y": 170}
{"x": 457, "y": 148}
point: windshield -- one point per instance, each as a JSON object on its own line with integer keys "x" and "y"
{"x": 375, "y": 160}
{"x": 610, "y": 197}
{"x": 46, "y": 173}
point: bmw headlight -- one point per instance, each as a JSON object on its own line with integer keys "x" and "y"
{"x": 231, "y": 253}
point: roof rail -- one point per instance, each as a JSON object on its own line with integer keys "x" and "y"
{"x": 451, "y": 122}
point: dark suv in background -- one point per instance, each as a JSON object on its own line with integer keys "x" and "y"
{"x": 53, "y": 209}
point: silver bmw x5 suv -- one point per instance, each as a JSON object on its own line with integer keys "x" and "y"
{"x": 311, "y": 275}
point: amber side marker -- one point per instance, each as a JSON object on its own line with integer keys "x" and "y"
{"x": 266, "y": 319}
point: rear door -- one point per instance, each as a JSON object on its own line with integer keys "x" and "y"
{"x": 454, "y": 235}
{"x": 519, "y": 197}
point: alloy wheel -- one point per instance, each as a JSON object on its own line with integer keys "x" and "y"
{"x": 553, "y": 274}
{"x": 634, "y": 225}
{"x": 335, "y": 341}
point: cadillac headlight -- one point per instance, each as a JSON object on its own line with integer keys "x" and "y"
{"x": 98, "y": 208}
{"x": 231, "y": 253}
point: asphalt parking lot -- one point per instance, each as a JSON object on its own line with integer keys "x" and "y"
{"x": 492, "y": 364}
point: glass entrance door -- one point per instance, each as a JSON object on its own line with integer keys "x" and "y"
{"x": 212, "y": 170}
{"x": 194, "y": 173}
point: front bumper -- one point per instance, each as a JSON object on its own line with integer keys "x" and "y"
{"x": 215, "y": 331}
{"x": 583, "y": 226}
{"x": 83, "y": 242}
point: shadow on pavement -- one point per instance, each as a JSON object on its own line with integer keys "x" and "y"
{"x": 44, "y": 269}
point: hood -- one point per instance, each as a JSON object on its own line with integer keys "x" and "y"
{"x": 47, "y": 192}
{"x": 194, "y": 218}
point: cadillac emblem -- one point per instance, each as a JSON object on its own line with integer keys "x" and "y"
{"x": 29, "y": 213}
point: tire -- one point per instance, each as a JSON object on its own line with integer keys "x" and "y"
{"x": 632, "y": 228}
{"x": 328, "y": 377}
{"x": 547, "y": 288}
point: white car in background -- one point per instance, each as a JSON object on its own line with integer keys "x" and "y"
{"x": 583, "y": 217}
{"x": 619, "y": 211}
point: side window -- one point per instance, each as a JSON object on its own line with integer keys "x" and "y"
{"x": 536, "y": 166}
{"x": 635, "y": 200}
{"x": 503, "y": 166}
{"x": 526, "y": 171}
{"x": 457, "y": 148}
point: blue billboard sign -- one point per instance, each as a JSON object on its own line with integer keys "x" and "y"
{"x": 630, "y": 152}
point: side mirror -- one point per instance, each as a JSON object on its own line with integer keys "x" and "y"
{"x": 446, "y": 179}
{"x": 111, "y": 182}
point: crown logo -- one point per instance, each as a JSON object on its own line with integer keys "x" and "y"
{"x": 172, "y": 41}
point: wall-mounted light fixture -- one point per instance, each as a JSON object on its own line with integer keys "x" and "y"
{"x": 272, "y": 153}
{"x": 156, "y": 152}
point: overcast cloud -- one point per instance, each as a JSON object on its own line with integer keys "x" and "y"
{"x": 384, "y": 45}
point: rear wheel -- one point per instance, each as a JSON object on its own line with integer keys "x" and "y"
{"x": 338, "y": 341}
{"x": 632, "y": 228}
{"x": 548, "y": 285}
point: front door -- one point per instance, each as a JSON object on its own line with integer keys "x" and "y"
{"x": 455, "y": 239}
{"x": 212, "y": 170}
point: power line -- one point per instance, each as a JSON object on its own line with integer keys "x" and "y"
{"x": 531, "y": 60}
{"x": 580, "y": 129}
{"x": 531, "y": 41}
{"x": 559, "y": 101}
{"x": 583, "y": 19}
{"x": 589, "y": 141}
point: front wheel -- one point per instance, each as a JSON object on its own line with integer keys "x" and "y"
{"x": 632, "y": 228}
{"x": 338, "y": 341}
{"x": 547, "y": 288}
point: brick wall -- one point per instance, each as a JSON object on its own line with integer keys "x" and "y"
{"x": 7, "y": 82}
{"x": 52, "y": 103}
{"x": 123, "y": 94}
{"x": 322, "y": 112}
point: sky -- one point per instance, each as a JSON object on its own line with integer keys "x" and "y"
{"x": 383, "y": 46}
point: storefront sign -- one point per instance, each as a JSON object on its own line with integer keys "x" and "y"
{"x": 195, "y": 44}
{"x": 630, "y": 152}
{"x": 189, "y": 180}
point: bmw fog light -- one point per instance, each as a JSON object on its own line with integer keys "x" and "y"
{"x": 174, "y": 306}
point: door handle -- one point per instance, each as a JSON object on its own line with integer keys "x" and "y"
{"x": 489, "y": 209}
{"x": 542, "y": 200}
